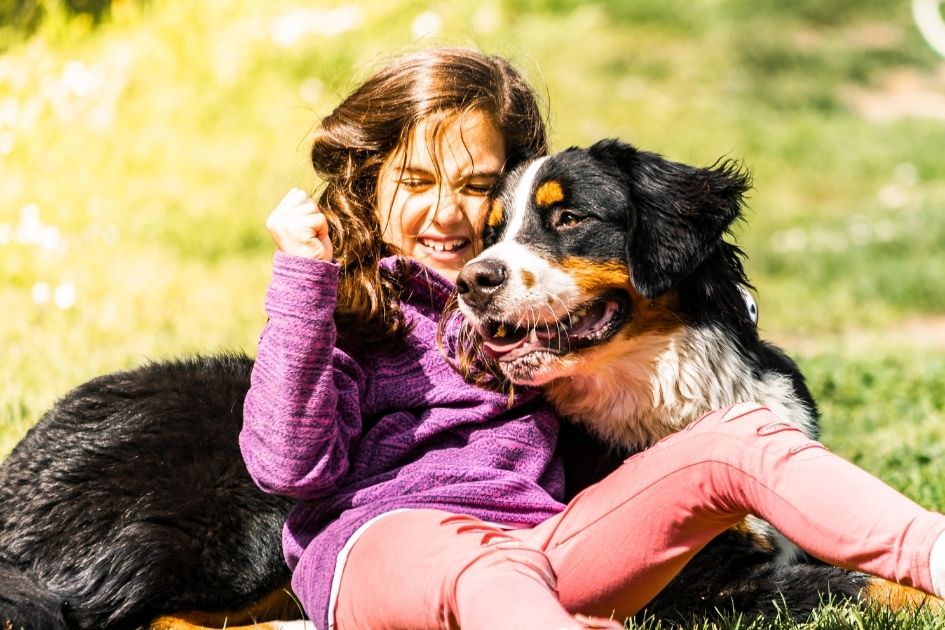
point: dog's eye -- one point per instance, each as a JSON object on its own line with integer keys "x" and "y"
{"x": 490, "y": 237}
{"x": 567, "y": 219}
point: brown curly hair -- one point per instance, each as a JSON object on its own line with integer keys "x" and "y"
{"x": 353, "y": 142}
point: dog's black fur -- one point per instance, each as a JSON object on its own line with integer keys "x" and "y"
{"x": 129, "y": 498}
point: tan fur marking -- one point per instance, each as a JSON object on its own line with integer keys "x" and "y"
{"x": 879, "y": 592}
{"x": 496, "y": 214}
{"x": 528, "y": 279}
{"x": 549, "y": 193}
{"x": 744, "y": 528}
{"x": 595, "y": 277}
{"x": 279, "y": 605}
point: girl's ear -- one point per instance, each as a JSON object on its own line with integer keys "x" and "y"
{"x": 676, "y": 214}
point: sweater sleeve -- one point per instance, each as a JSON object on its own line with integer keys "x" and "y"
{"x": 302, "y": 412}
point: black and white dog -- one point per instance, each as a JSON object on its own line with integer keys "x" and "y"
{"x": 607, "y": 281}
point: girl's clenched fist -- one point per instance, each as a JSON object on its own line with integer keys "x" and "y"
{"x": 299, "y": 228}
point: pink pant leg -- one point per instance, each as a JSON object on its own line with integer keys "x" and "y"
{"x": 621, "y": 541}
{"x": 426, "y": 569}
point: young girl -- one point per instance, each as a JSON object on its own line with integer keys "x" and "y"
{"x": 424, "y": 502}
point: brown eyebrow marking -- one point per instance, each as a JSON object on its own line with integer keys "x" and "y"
{"x": 496, "y": 214}
{"x": 549, "y": 193}
{"x": 592, "y": 276}
{"x": 528, "y": 279}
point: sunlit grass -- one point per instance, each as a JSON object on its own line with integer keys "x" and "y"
{"x": 830, "y": 616}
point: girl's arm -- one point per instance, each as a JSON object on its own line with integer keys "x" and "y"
{"x": 302, "y": 412}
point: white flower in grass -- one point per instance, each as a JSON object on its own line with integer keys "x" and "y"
{"x": 87, "y": 94}
{"x": 290, "y": 27}
{"x": 6, "y": 233}
{"x": 311, "y": 89}
{"x": 860, "y": 230}
{"x": 340, "y": 20}
{"x": 30, "y": 229}
{"x": 7, "y": 140}
{"x": 80, "y": 80}
{"x": 49, "y": 239}
{"x": 64, "y": 295}
{"x": 427, "y": 24}
{"x": 487, "y": 19}
{"x": 793, "y": 240}
{"x": 893, "y": 196}
{"x": 41, "y": 293}
{"x": 906, "y": 174}
{"x": 826, "y": 240}
{"x": 9, "y": 113}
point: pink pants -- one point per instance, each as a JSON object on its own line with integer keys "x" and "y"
{"x": 618, "y": 543}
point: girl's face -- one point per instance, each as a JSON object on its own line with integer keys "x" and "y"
{"x": 432, "y": 193}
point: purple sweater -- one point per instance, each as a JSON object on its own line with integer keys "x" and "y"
{"x": 433, "y": 441}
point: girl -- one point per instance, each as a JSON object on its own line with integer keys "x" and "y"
{"x": 424, "y": 502}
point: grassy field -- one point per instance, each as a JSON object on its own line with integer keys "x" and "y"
{"x": 139, "y": 158}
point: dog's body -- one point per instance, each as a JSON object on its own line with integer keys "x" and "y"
{"x": 129, "y": 499}
{"x": 606, "y": 280}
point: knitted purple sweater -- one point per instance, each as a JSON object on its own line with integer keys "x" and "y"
{"x": 433, "y": 440}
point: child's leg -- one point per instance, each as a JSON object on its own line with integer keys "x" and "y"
{"x": 426, "y": 569}
{"x": 619, "y": 542}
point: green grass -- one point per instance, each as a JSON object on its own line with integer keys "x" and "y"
{"x": 828, "y": 617}
{"x": 140, "y": 156}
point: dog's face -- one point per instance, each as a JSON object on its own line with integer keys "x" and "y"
{"x": 584, "y": 251}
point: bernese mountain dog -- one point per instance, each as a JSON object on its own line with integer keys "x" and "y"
{"x": 607, "y": 280}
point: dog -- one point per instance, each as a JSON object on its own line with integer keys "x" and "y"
{"x": 129, "y": 500}
{"x": 607, "y": 280}
{"x": 127, "y": 505}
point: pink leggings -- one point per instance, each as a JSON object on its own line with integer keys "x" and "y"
{"x": 618, "y": 543}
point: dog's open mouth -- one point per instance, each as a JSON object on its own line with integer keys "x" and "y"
{"x": 586, "y": 326}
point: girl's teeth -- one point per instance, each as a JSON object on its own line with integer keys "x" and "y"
{"x": 444, "y": 247}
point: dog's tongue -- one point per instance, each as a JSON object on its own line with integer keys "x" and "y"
{"x": 497, "y": 347}
{"x": 511, "y": 342}
{"x": 523, "y": 340}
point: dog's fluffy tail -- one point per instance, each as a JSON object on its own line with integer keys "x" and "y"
{"x": 26, "y": 605}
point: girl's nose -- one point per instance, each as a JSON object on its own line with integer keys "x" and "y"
{"x": 450, "y": 208}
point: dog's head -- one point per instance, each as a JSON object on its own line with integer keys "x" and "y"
{"x": 598, "y": 248}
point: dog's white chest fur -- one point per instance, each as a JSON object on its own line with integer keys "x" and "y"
{"x": 664, "y": 382}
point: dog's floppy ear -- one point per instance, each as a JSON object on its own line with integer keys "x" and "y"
{"x": 677, "y": 213}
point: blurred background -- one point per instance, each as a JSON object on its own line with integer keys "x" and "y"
{"x": 143, "y": 143}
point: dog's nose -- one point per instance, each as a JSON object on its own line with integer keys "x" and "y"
{"x": 479, "y": 280}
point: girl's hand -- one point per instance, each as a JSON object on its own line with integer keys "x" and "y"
{"x": 298, "y": 228}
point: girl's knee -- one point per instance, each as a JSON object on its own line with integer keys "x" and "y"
{"x": 744, "y": 430}
{"x": 746, "y": 419}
